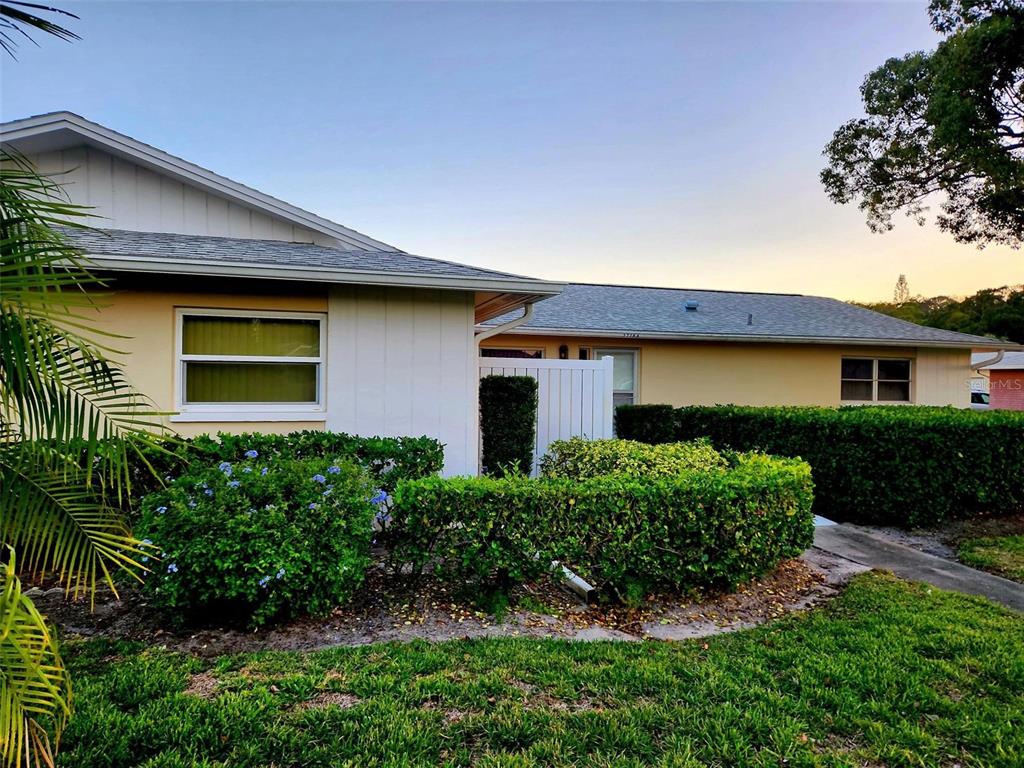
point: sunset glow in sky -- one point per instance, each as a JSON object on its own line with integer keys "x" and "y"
{"x": 661, "y": 144}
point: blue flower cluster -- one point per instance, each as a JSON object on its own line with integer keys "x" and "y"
{"x": 266, "y": 579}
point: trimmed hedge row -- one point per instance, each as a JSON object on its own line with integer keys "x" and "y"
{"x": 626, "y": 535}
{"x": 894, "y": 465}
{"x": 580, "y": 459}
{"x": 508, "y": 417}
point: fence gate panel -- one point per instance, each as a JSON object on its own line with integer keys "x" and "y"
{"x": 574, "y": 397}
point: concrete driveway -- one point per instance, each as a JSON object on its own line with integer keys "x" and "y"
{"x": 861, "y": 547}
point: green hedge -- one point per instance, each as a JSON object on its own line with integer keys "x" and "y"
{"x": 895, "y": 465}
{"x": 508, "y": 417}
{"x": 626, "y": 535}
{"x": 581, "y": 459}
{"x": 654, "y": 422}
{"x": 260, "y": 539}
{"x": 388, "y": 460}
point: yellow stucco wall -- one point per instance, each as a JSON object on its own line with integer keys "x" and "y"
{"x": 707, "y": 373}
{"x": 142, "y": 309}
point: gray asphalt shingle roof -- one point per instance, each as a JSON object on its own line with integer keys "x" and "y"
{"x": 660, "y": 311}
{"x": 276, "y": 253}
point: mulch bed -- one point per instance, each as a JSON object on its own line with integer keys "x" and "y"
{"x": 388, "y": 610}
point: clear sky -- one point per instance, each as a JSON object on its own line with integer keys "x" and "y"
{"x": 663, "y": 144}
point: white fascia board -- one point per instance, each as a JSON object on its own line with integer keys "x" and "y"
{"x": 829, "y": 340}
{"x": 150, "y": 156}
{"x": 322, "y": 275}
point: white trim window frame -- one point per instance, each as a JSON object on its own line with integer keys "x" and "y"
{"x": 875, "y": 380}
{"x": 634, "y": 394}
{"x": 248, "y": 410}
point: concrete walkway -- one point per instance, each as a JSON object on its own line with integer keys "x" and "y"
{"x": 874, "y": 552}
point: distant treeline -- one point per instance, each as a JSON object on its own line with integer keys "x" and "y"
{"x": 995, "y": 312}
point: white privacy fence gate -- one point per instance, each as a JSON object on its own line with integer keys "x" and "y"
{"x": 574, "y": 397}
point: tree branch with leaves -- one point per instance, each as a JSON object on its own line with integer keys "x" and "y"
{"x": 943, "y": 127}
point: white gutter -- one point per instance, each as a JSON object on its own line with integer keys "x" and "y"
{"x": 990, "y": 361}
{"x": 527, "y": 315}
{"x": 830, "y": 340}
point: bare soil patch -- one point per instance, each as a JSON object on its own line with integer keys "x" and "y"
{"x": 330, "y": 699}
{"x": 387, "y": 611}
{"x": 944, "y": 540}
{"x": 202, "y": 685}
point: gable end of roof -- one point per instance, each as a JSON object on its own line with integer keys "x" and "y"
{"x": 58, "y": 126}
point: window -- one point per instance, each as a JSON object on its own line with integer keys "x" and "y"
{"x": 240, "y": 361}
{"x": 528, "y": 354}
{"x": 883, "y": 380}
{"x": 623, "y": 374}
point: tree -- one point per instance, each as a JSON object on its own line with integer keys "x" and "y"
{"x": 69, "y": 425}
{"x": 997, "y": 312}
{"x": 946, "y": 125}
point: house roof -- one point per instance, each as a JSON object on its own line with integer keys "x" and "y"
{"x": 357, "y": 259}
{"x": 165, "y": 252}
{"x": 1012, "y": 361}
{"x": 617, "y": 311}
{"x": 60, "y": 130}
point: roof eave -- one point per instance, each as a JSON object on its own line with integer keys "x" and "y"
{"x": 540, "y": 288}
{"x": 829, "y": 340}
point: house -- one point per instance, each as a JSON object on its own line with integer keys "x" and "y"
{"x": 236, "y": 311}
{"x": 241, "y": 312}
{"x": 1005, "y": 379}
{"x": 700, "y": 347}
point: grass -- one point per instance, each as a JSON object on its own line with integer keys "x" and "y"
{"x": 1003, "y": 555}
{"x": 889, "y": 674}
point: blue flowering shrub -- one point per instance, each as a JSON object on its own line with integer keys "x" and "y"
{"x": 259, "y": 539}
{"x": 388, "y": 460}
{"x": 150, "y": 467}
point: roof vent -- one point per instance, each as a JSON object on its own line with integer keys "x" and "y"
{"x": 690, "y": 306}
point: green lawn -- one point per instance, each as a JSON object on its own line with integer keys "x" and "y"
{"x": 1003, "y": 555}
{"x": 890, "y": 674}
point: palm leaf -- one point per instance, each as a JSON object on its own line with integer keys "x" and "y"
{"x": 17, "y": 17}
{"x": 35, "y": 689}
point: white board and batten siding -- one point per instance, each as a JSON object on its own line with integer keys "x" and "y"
{"x": 125, "y": 195}
{"x": 402, "y": 362}
{"x": 574, "y": 397}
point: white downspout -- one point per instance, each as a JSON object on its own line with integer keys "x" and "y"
{"x": 527, "y": 314}
{"x": 991, "y": 361}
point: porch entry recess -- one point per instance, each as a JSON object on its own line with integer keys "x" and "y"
{"x": 574, "y": 397}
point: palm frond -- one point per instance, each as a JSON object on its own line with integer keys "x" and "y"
{"x": 35, "y": 689}
{"x": 17, "y": 18}
{"x": 59, "y": 524}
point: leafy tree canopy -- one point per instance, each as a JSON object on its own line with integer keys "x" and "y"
{"x": 995, "y": 312}
{"x": 943, "y": 127}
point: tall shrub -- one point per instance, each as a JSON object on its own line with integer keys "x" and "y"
{"x": 508, "y": 419}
